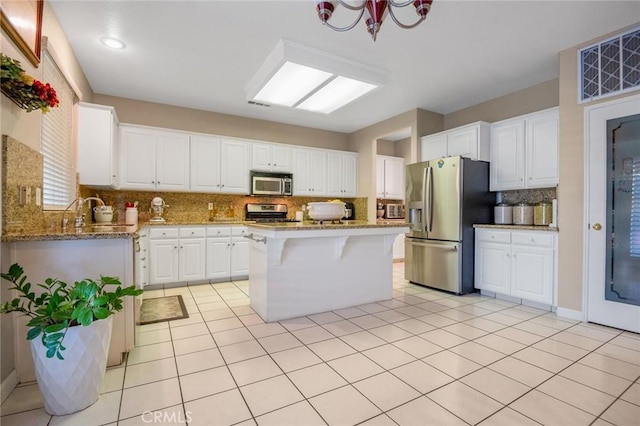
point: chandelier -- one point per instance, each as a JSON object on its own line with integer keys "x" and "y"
{"x": 374, "y": 12}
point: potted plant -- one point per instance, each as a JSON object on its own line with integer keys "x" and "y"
{"x": 70, "y": 332}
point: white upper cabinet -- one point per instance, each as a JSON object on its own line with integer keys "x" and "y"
{"x": 471, "y": 141}
{"x": 158, "y": 159}
{"x": 97, "y": 146}
{"x": 205, "y": 164}
{"x": 172, "y": 161}
{"x": 341, "y": 174}
{"x": 219, "y": 165}
{"x": 154, "y": 159}
{"x": 271, "y": 157}
{"x": 524, "y": 152}
{"x": 234, "y": 166}
{"x": 309, "y": 172}
{"x": 390, "y": 172}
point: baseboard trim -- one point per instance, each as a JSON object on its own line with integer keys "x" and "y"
{"x": 8, "y": 385}
{"x": 569, "y": 313}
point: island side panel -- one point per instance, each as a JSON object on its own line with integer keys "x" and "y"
{"x": 315, "y": 275}
{"x": 69, "y": 261}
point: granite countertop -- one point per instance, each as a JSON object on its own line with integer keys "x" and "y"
{"x": 206, "y": 222}
{"x": 310, "y": 225}
{"x": 111, "y": 231}
{"x": 518, "y": 227}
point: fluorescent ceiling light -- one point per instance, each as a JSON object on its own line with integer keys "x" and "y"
{"x": 336, "y": 94}
{"x": 113, "y": 43}
{"x": 298, "y": 76}
{"x": 291, "y": 83}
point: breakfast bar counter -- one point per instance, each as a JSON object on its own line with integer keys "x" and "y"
{"x": 299, "y": 269}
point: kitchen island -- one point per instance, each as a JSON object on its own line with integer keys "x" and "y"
{"x": 299, "y": 269}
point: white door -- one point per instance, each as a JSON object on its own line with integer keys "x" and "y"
{"x": 302, "y": 184}
{"x": 394, "y": 178}
{"x": 239, "y": 257}
{"x": 334, "y": 174}
{"x": 318, "y": 168}
{"x": 138, "y": 150}
{"x": 507, "y": 156}
{"x": 205, "y": 164}
{"x": 192, "y": 259}
{"x": 260, "y": 157}
{"x": 380, "y": 177}
{"x": 612, "y": 265}
{"x": 164, "y": 261}
{"x": 433, "y": 147}
{"x": 349, "y": 175}
{"x": 542, "y": 150}
{"x": 218, "y": 258}
{"x": 532, "y": 273}
{"x": 493, "y": 267}
{"x": 463, "y": 143}
{"x": 172, "y": 171}
{"x": 281, "y": 159}
{"x": 234, "y": 167}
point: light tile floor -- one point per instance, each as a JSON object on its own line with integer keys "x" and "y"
{"x": 423, "y": 358}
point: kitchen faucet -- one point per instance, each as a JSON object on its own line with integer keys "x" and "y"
{"x": 78, "y": 221}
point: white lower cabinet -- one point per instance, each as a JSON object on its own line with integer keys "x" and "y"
{"x": 194, "y": 253}
{"x": 176, "y": 254}
{"x": 239, "y": 253}
{"x": 516, "y": 263}
{"x": 227, "y": 253}
{"x": 218, "y": 252}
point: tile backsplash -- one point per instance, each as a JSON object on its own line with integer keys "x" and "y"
{"x": 193, "y": 207}
{"x": 529, "y": 196}
{"x": 21, "y": 167}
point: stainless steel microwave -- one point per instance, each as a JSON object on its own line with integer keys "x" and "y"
{"x": 277, "y": 184}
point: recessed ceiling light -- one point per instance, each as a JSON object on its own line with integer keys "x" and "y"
{"x": 113, "y": 43}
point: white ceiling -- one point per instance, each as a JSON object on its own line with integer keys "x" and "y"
{"x": 201, "y": 54}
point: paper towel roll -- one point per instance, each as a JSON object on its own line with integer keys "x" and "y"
{"x": 299, "y": 215}
{"x": 554, "y": 213}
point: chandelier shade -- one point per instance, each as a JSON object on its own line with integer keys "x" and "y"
{"x": 373, "y": 11}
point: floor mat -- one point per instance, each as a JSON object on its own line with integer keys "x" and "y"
{"x": 162, "y": 309}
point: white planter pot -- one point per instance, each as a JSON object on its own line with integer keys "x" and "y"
{"x": 74, "y": 383}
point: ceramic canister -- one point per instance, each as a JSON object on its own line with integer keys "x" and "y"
{"x": 503, "y": 214}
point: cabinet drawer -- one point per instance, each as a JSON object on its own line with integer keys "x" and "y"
{"x": 218, "y": 231}
{"x": 163, "y": 233}
{"x": 238, "y": 231}
{"x": 192, "y": 232}
{"x": 536, "y": 239}
{"x": 493, "y": 236}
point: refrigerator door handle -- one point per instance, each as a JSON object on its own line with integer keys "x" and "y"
{"x": 428, "y": 197}
{"x": 423, "y": 220}
{"x": 436, "y": 246}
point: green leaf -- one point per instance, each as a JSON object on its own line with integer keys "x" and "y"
{"x": 51, "y": 351}
{"x": 101, "y": 313}
{"x": 54, "y": 338}
{"x": 56, "y": 327}
{"x": 85, "y": 316}
{"x": 33, "y": 333}
{"x": 59, "y": 355}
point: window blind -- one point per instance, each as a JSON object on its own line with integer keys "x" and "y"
{"x": 59, "y": 184}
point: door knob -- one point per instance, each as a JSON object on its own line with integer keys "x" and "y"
{"x": 597, "y": 227}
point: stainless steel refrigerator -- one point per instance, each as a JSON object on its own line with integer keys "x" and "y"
{"x": 445, "y": 197}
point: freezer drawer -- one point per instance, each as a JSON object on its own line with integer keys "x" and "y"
{"x": 435, "y": 264}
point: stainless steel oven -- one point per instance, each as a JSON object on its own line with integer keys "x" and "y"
{"x": 277, "y": 184}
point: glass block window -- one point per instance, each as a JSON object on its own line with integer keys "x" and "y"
{"x": 610, "y": 67}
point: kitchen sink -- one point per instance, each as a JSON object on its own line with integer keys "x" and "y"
{"x": 112, "y": 227}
